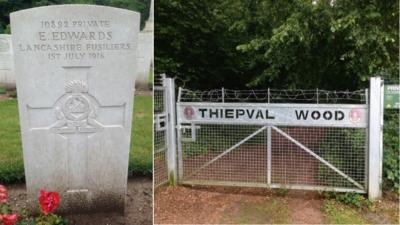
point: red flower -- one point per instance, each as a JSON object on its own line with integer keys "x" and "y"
{"x": 49, "y": 201}
{"x": 9, "y": 219}
{"x": 3, "y": 194}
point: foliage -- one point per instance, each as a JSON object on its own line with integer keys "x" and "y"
{"x": 50, "y": 219}
{"x": 353, "y": 199}
{"x": 286, "y": 44}
{"x": 8, "y": 6}
{"x": 349, "y": 198}
{"x": 192, "y": 43}
{"x": 391, "y": 154}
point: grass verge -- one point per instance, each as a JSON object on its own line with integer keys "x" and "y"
{"x": 11, "y": 164}
{"x": 141, "y": 153}
{"x": 336, "y": 213}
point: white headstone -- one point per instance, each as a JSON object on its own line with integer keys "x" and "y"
{"x": 146, "y": 51}
{"x": 75, "y": 70}
{"x": 145, "y": 59}
{"x": 7, "y": 77}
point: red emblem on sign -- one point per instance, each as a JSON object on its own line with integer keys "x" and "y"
{"x": 355, "y": 115}
{"x": 188, "y": 112}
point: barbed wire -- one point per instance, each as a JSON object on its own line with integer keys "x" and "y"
{"x": 274, "y": 96}
{"x": 270, "y": 95}
{"x": 158, "y": 79}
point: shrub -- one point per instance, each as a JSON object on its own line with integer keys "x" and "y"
{"x": 353, "y": 199}
{"x": 391, "y": 157}
{"x": 349, "y": 198}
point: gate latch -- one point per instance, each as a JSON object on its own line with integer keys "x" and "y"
{"x": 160, "y": 121}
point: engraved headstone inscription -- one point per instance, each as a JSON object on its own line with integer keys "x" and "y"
{"x": 75, "y": 72}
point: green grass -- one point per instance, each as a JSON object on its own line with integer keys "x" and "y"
{"x": 11, "y": 162}
{"x": 141, "y": 154}
{"x": 336, "y": 213}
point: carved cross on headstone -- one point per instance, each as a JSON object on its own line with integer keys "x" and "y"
{"x": 77, "y": 117}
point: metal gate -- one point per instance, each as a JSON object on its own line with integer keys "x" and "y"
{"x": 313, "y": 140}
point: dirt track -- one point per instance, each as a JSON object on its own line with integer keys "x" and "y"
{"x": 233, "y": 205}
{"x": 223, "y": 205}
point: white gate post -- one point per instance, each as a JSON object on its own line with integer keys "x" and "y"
{"x": 171, "y": 135}
{"x": 375, "y": 138}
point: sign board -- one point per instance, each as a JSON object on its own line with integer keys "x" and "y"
{"x": 392, "y": 97}
{"x": 325, "y": 115}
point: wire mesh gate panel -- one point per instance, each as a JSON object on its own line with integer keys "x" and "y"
{"x": 160, "y": 138}
{"x": 256, "y": 139}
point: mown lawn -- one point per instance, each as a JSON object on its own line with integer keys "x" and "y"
{"x": 11, "y": 163}
{"x": 141, "y": 154}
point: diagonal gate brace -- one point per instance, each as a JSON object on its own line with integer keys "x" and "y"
{"x": 318, "y": 157}
{"x": 227, "y": 151}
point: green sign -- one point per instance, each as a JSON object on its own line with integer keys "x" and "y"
{"x": 392, "y": 97}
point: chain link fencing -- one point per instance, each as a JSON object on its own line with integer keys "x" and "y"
{"x": 159, "y": 133}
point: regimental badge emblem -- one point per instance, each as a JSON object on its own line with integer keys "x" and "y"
{"x": 76, "y": 110}
{"x": 355, "y": 115}
{"x": 188, "y": 112}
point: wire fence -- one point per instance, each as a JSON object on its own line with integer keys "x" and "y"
{"x": 159, "y": 135}
{"x": 246, "y": 165}
{"x": 313, "y": 157}
{"x": 275, "y": 96}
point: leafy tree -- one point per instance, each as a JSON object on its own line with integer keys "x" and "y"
{"x": 327, "y": 45}
{"x": 193, "y": 43}
{"x": 286, "y": 44}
